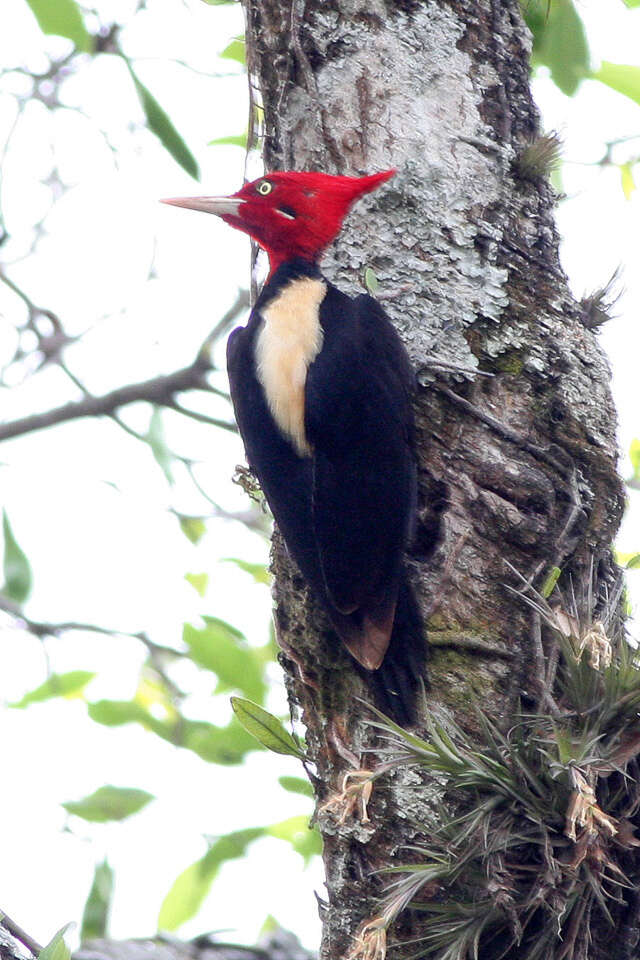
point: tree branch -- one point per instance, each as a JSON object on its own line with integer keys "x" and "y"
{"x": 20, "y": 935}
{"x": 159, "y": 390}
{"x": 41, "y": 629}
{"x": 200, "y": 417}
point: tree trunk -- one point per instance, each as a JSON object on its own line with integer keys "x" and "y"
{"x": 517, "y": 469}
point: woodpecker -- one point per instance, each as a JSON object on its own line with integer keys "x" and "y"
{"x": 321, "y": 386}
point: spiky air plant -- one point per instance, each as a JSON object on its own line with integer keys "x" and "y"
{"x": 534, "y": 846}
{"x": 599, "y": 307}
{"x": 540, "y": 157}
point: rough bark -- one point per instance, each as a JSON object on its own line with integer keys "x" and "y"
{"x": 518, "y": 467}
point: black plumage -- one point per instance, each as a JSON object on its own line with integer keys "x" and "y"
{"x": 347, "y": 510}
{"x": 321, "y": 385}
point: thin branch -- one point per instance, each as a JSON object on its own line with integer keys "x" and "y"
{"x": 240, "y": 303}
{"x": 159, "y": 390}
{"x": 21, "y": 935}
{"x": 18, "y": 292}
{"x": 253, "y": 520}
{"x": 43, "y": 629}
{"x": 127, "y": 429}
{"x": 3, "y": 156}
{"x": 114, "y": 416}
{"x": 201, "y": 417}
{"x": 190, "y": 67}
{"x": 199, "y": 487}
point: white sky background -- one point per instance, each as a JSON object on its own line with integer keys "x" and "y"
{"x": 89, "y": 505}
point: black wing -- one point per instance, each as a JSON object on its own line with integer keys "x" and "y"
{"x": 359, "y": 423}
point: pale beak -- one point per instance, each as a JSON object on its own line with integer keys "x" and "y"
{"x": 220, "y": 206}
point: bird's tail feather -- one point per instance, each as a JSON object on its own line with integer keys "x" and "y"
{"x": 401, "y": 678}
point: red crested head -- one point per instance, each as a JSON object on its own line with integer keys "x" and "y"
{"x": 290, "y": 214}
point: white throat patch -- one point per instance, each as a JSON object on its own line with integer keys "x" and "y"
{"x": 290, "y": 338}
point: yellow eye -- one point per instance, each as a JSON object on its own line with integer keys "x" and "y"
{"x": 264, "y": 187}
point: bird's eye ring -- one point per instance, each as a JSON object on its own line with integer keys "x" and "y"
{"x": 264, "y": 188}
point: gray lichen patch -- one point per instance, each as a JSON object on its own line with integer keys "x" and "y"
{"x": 402, "y": 96}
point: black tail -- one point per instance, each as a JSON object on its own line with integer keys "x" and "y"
{"x": 398, "y": 683}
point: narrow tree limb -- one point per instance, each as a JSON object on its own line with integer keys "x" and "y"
{"x": 41, "y": 628}
{"x": 158, "y": 390}
{"x": 21, "y": 935}
{"x": 44, "y": 628}
{"x": 200, "y": 417}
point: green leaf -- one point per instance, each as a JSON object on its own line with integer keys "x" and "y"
{"x": 557, "y": 181}
{"x": 627, "y": 182}
{"x": 304, "y": 839}
{"x": 159, "y": 448}
{"x": 296, "y": 785}
{"x": 109, "y": 803}
{"x": 114, "y": 713}
{"x": 199, "y": 582}
{"x": 631, "y": 3}
{"x": 57, "y": 949}
{"x": 270, "y": 925}
{"x": 566, "y": 50}
{"x": 633, "y": 563}
{"x": 160, "y": 124}
{"x": 95, "y": 917}
{"x": 221, "y": 648}
{"x": 549, "y": 584}
{"x": 189, "y": 890}
{"x": 236, "y": 50}
{"x": 185, "y": 897}
{"x": 56, "y": 685}
{"x": 259, "y": 571}
{"x": 239, "y": 140}
{"x": 266, "y": 728}
{"x": 624, "y": 78}
{"x": 634, "y": 455}
{"x": 17, "y": 571}
{"x": 231, "y": 846}
{"x": 219, "y": 3}
{"x": 560, "y": 42}
{"x": 623, "y": 558}
{"x": 225, "y": 745}
{"x": 194, "y": 528}
{"x": 371, "y": 281}
{"x": 153, "y": 695}
{"x": 64, "y": 19}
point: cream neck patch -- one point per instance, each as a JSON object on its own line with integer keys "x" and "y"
{"x": 289, "y": 339}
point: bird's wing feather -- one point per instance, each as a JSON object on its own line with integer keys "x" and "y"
{"x": 358, "y": 421}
